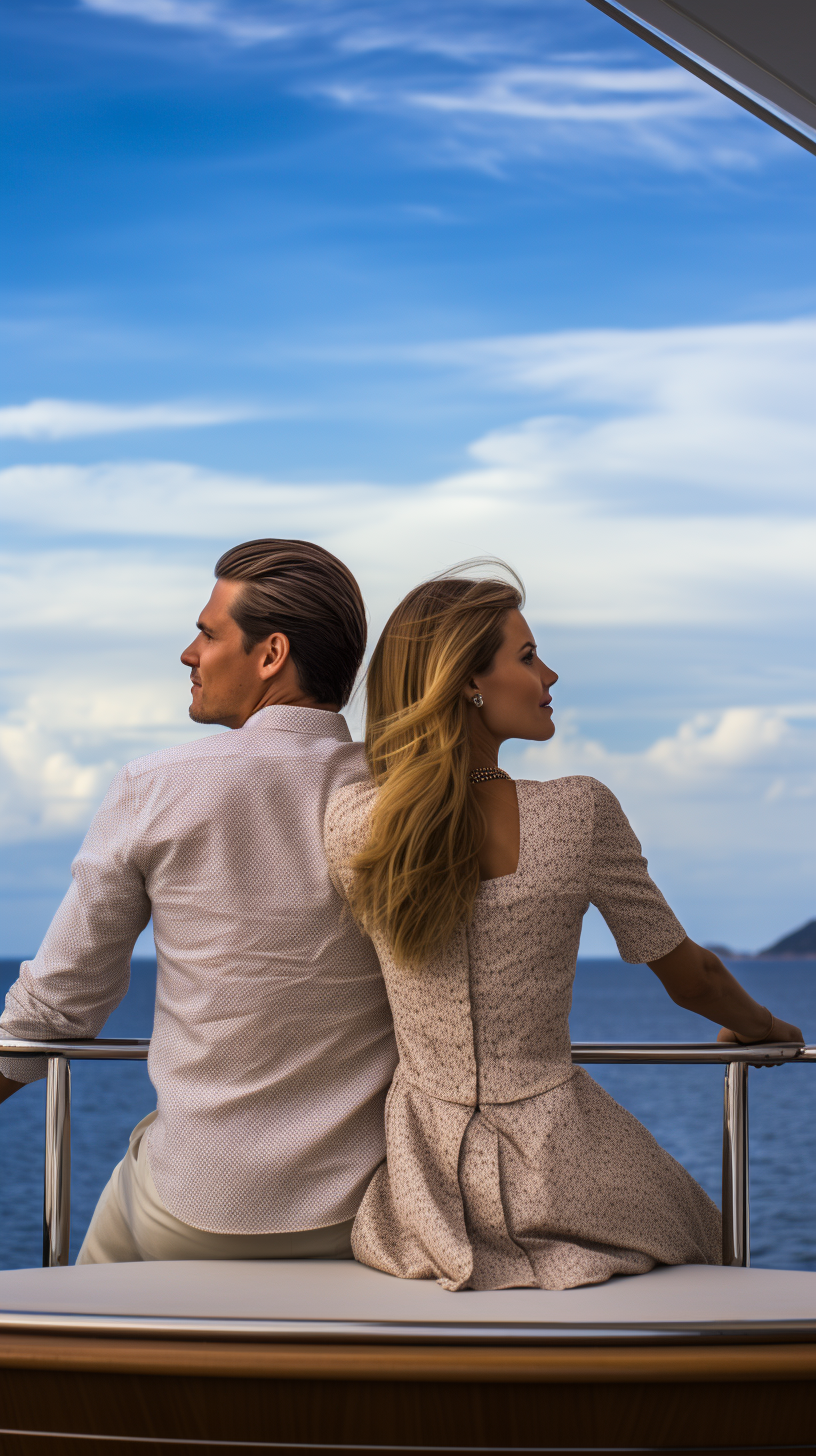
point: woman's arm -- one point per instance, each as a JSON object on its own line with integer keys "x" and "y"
{"x": 696, "y": 979}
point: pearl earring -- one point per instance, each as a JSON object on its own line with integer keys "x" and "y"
{"x": 478, "y": 701}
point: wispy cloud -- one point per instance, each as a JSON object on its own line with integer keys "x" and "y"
{"x": 763, "y": 739}
{"x": 242, "y": 27}
{"x": 484, "y": 89}
{"x": 348, "y": 27}
{"x": 684, "y": 418}
{"x": 576, "y": 93}
{"x": 65, "y": 419}
{"x": 519, "y": 111}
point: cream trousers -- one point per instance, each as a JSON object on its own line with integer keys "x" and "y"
{"x": 130, "y": 1223}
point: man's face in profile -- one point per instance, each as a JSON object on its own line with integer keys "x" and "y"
{"x": 224, "y": 677}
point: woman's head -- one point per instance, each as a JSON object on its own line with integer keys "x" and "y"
{"x": 441, "y": 636}
{"x": 514, "y": 691}
{"x": 449, "y": 641}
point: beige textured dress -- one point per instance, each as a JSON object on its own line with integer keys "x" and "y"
{"x": 506, "y": 1166}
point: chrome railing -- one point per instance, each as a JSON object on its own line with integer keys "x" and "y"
{"x": 735, "y": 1059}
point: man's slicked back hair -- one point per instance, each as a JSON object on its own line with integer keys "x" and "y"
{"x": 297, "y": 588}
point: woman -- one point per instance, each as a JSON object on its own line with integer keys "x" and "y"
{"x": 506, "y": 1166}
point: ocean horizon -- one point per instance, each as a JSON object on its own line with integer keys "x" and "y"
{"x": 681, "y": 1106}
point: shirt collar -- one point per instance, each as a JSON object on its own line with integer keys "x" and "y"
{"x": 288, "y": 718}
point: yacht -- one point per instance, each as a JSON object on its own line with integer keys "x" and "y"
{"x": 319, "y": 1356}
{"x": 326, "y": 1357}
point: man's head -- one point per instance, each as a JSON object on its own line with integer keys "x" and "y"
{"x": 285, "y": 624}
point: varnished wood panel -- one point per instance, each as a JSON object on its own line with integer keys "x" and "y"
{"x": 44, "y": 1444}
{"x": 443, "y": 1363}
{"x": 410, "y": 1415}
{"x": 37, "y": 1444}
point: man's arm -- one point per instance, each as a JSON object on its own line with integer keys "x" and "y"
{"x": 82, "y": 970}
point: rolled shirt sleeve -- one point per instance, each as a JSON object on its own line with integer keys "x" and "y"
{"x": 82, "y": 969}
{"x": 620, "y": 885}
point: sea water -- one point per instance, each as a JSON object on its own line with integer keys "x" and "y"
{"x": 682, "y": 1106}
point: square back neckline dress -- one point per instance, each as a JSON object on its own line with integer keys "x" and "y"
{"x": 507, "y": 1166}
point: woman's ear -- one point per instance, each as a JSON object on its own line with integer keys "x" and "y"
{"x": 473, "y": 694}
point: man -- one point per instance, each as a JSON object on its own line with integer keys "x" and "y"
{"x": 272, "y": 1044}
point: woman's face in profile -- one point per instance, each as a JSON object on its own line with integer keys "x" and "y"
{"x": 516, "y": 689}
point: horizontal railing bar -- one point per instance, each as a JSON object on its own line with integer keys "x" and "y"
{"x": 700, "y": 1053}
{"x": 135, "y": 1049}
{"x": 101, "y": 1049}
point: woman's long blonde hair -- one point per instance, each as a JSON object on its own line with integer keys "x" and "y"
{"x": 417, "y": 877}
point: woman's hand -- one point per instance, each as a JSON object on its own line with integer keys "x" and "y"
{"x": 778, "y": 1032}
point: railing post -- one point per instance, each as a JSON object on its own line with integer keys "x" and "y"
{"x": 57, "y": 1191}
{"x": 736, "y": 1244}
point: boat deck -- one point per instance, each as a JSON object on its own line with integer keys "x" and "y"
{"x": 319, "y": 1356}
{"x": 324, "y": 1356}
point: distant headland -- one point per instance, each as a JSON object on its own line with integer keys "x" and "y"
{"x": 799, "y": 945}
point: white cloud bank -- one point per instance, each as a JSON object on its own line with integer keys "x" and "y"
{"x": 65, "y": 419}
{"x": 664, "y": 480}
{"x": 724, "y": 805}
{"x": 584, "y": 563}
{"x": 82, "y": 595}
{"x": 760, "y": 754}
{"x": 725, "y": 808}
{"x": 60, "y": 748}
{"x": 667, "y": 477}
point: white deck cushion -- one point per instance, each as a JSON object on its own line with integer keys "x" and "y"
{"x": 303, "y": 1293}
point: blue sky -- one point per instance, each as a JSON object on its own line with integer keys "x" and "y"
{"x": 420, "y": 282}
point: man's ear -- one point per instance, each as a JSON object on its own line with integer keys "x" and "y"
{"x": 276, "y": 654}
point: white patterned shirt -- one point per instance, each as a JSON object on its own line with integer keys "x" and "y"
{"x": 272, "y": 1045}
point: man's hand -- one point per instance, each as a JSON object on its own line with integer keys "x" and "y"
{"x": 7, "y": 1087}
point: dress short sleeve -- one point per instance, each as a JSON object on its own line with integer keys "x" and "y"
{"x": 641, "y": 921}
